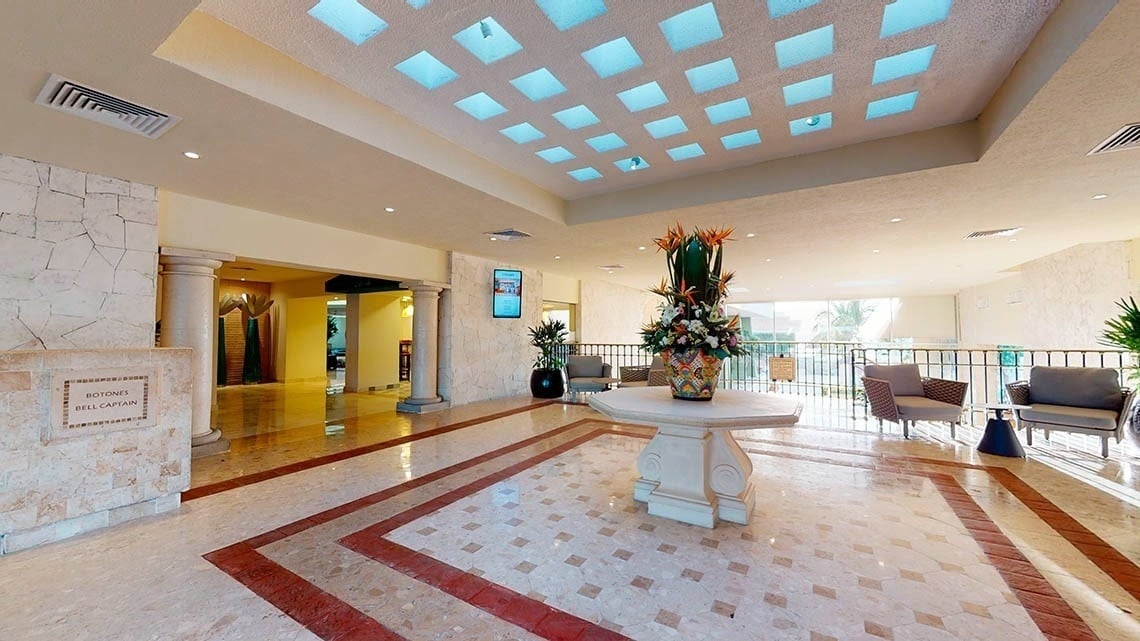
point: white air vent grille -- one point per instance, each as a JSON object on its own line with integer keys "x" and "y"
{"x": 1009, "y": 231}
{"x": 1127, "y": 137}
{"x": 508, "y": 234}
{"x": 85, "y": 102}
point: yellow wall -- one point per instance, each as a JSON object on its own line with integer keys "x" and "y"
{"x": 381, "y": 330}
{"x": 304, "y": 356}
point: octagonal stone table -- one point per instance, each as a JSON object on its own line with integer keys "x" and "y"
{"x": 693, "y": 470}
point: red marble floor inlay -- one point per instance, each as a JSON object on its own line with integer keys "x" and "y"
{"x": 333, "y": 620}
{"x": 265, "y": 475}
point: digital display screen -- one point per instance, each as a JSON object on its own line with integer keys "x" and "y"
{"x": 508, "y": 293}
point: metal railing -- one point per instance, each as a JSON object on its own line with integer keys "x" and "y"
{"x": 836, "y": 369}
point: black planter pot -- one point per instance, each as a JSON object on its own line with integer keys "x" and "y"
{"x": 546, "y": 383}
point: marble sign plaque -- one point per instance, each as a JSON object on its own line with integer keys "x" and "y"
{"x": 89, "y": 401}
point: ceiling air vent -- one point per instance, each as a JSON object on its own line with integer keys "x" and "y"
{"x": 85, "y": 102}
{"x": 1009, "y": 231}
{"x": 507, "y": 234}
{"x": 610, "y": 268}
{"x": 1127, "y": 137}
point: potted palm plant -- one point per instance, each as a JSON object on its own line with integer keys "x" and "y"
{"x": 546, "y": 379}
{"x": 1124, "y": 332}
{"x": 254, "y": 305}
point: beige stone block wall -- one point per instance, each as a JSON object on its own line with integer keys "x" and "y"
{"x": 78, "y": 258}
{"x": 612, "y": 313}
{"x": 53, "y": 487}
{"x": 490, "y": 357}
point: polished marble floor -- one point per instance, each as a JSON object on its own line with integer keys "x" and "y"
{"x": 515, "y": 520}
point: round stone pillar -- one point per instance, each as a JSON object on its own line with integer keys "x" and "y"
{"x": 189, "y": 320}
{"x": 425, "y": 341}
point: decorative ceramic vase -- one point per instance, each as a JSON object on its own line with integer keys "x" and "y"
{"x": 692, "y": 374}
{"x": 546, "y": 383}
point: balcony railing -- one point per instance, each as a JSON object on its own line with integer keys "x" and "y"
{"x": 836, "y": 369}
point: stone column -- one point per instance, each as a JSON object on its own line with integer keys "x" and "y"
{"x": 425, "y": 345}
{"x": 189, "y": 319}
{"x": 352, "y": 343}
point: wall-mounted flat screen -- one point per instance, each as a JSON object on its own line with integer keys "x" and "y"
{"x": 508, "y": 293}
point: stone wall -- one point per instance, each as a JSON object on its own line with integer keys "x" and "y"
{"x": 1059, "y": 301}
{"x": 78, "y": 257}
{"x": 612, "y": 313}
{"x": 489, "y": 357}
{"x": 55, "y": 484}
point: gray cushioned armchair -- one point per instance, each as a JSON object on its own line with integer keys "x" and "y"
{"x": 899, "y": 394}
{"x": 1084, "y": 400}
{"x": 588, "y": 374}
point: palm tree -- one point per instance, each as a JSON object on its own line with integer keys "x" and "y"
{"x": 846, "y": 319}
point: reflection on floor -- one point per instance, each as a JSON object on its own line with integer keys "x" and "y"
{"x": 519, "y": 524}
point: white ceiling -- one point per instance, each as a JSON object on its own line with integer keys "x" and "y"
{"x": 279, "y": 136}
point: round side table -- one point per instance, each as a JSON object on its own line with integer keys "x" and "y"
{"x": 999, "y": 438}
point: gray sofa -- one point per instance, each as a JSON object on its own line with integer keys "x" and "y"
{"x": 1084, "y": 400}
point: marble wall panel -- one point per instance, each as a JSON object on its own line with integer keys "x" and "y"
{"x": 78, "y": 258}
{"x": 54, "y": 488}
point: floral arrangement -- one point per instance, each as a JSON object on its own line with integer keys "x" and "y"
{"x": 693, "y": 315}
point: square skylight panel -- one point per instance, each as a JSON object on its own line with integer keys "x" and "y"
{"x": 904, "y": 64}
{"x": 348, "y": 18}
{"x": 606, "y": 142}
{"x": 808, "y": 90}
{"x": 425, "y": 69}
{"x": 692, "y": 28}
{"x": 727, "y": 111}
{"x": 555, "y": 155}
{"x": 487, "y": 41}
{"x": 419, "y": 4}
{"x": 643, "y": 97}
{"x": 781, "y": 8}
{"x": 904, "y": 15}
{"x": 666, "y": 127}
{"x": 741, "y": 139}
{"x": 584, "y": 174}
{"x": 481, "y": 106}
{"x": 567, "y": 14}
{"x": 613, "y": 57}
{"x": 891, "y": 106}
{"x": 576, "y": 117}
{"x": 714, "y": 75}
{"x": 538, "y": 85}
{"x": 633, "y": 163}
{"x": 685, "y": 152}
{"x": 813, "y": 45}
{"x": 522, "y": 133}
{"x": 808, "y": 124}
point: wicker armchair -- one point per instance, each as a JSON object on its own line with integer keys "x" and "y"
{"x": 644, "y": 375}
{"x": 899, "y": 394}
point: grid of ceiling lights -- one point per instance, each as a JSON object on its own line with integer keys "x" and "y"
{"x": 488, "y": 41}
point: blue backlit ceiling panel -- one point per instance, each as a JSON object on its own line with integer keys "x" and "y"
{"x": 567, "y": 14}
{"x": 555, "y": 155}
{"x": 685, "y": 152}
{"x": 425, "y": 69}
{"x": 487, "y": 41}
{"x": 666, "y": 127}
{"x": 576, "y": 117}
{"x": 584, "y": 174}
{"x": 810, "y": 124}
{"x": 902, "y": 65}
{"x": 808, "y": 90}
{"x": 728, "y": 111}
{"x": 418, "y": 4}
{"x": 643, "y": 97}
{"x": 891, "y": 106}
{"x": 633, "y": 163}
{"x": 813, "y": 45}
{"x": 613, "y": 57}
{"x": 781, "y": 8}
{"x": 714, "y": 75}
{"x": 538, "y": 85}
{"x": 481, "y": 106}
{"x": 349, "y": 18}
{"x": 692, "y": 28}
{"x": 606, "y": 142}
{"x": 903, "y": 15}
{"x": 741, "y": 139}
{"x": 522, "y": 133}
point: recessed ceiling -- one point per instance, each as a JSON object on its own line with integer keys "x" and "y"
{"x": 562, "y": 92}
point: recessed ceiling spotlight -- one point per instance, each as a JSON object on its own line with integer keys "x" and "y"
{"x": 492, "y": 238}
{"x": 1013, "y": 240}
{"x": 243, "y": 279}
{"x": 750, "y": 235}
{"x": 1100, "y": 196}
{"x": 767, "y": 260}
{"x": 812, "y": 121}
{"x": 874, "y": 251}
{"x": 896, "y": 220}
{"x": 635, "y": 163}
{"x": 641, "y": 248}
{"x": 390, "y": 210}
{"x": 557, "y": 258}
{"x": 192, "y": 155}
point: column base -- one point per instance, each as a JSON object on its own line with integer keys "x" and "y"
{"x": 208, "y": 444}
{"x": 422, "y": 406}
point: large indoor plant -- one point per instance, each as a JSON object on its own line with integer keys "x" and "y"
{"x": 694, "y": 334}
{"x": 254, "y": 305}
{"x": 1124, "y": 332}
{"x": 546, "y": 379}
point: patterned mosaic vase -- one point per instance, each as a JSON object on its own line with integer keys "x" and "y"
{"x": 692, "y": 374}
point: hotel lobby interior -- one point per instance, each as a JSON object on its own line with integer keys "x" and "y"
{"x": 964, "y": 172}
